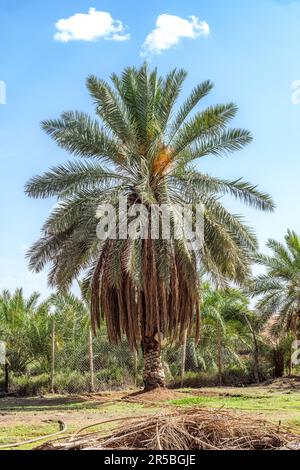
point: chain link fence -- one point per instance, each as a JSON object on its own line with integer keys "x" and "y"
{"x": 81, "y": 363}
{"x": 90, "y": 365}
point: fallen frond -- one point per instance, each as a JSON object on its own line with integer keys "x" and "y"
{"x": 189, "y": 429}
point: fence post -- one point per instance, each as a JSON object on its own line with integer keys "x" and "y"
{"x": 91, "y": 357}
{"x": 183, "y": 356}
{"x": 53, "y": 356}
{"x": 6, "y": 378}
{"x": 219, "y": 353}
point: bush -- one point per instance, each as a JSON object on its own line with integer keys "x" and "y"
{"x": 112, "y": 378}
{"x": 72, "y": 382}
{"x": 28, "y": 385}
{"x": 237, "y": 376}
{"x": 232, "y": 376}
{"x": 196, "y": 380}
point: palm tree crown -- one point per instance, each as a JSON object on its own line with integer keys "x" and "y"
{"x": 279, "y": 287}
{"x": 145, "y": 151}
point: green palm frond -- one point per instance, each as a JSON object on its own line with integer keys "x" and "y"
{"x": 197, "y": 94}
{"x": 69, "y": 178}
{"x": 82, "y": 136}
{"x": 278, "y": 290}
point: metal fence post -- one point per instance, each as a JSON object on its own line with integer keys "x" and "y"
{"x": 91, "y": 357}
{"x": 6, "y": 378}
{"x": 183, "y": 357}
{"x": 53, "y": 356}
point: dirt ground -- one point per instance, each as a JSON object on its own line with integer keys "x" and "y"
{"x": 22, "y": 419}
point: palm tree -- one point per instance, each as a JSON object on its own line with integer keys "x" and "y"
{"x": 224, "y": 331}
{"x": 279, "y": 288}
{"x": 145, "y": 152}
{"x": 279, "y": 296}
{"x": 16, "y": 315}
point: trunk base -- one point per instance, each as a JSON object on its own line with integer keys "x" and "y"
{"x": 149, "y": 387}
{"x": 154, "y": 375}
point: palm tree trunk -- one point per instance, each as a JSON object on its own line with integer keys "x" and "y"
{"x": 255, "y": 350}
{"x": 290, "y": 363}
{"x": 154, "y": 376}
{"x": 135, "y": 366}
{"x": 278, "y": 363}
{"x": 256, "y": 361}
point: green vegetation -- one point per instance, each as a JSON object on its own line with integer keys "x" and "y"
{"x": 28, "y": 418}
{"x": 235, "y": 348}
{"x": 284, "y": 407}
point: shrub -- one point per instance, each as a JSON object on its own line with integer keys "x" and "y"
{"x": 72, "y": 382}
{"x": 112, "y": 378}
{"x": 232, "y": 376}
{"x": 28, "y": 385}
{"x": 196, "y": 380}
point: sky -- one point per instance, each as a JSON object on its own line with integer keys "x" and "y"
{"x": 249, "y": 49}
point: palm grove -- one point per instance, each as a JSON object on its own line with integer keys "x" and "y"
{"x": 144, "y": 148}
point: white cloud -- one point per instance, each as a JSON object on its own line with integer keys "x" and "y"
{"x": 170, "y": 29}
{"x": 90, "y": 27}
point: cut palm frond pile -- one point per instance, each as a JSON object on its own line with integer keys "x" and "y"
{"x": 189, "y": 429}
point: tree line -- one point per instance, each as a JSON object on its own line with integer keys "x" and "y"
{"x": 246, "y": 335}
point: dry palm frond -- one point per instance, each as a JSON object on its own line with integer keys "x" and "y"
{"x": 191, "y": 429}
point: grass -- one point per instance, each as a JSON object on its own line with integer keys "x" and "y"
{"x": 276, "y": 406}
{"x": 26, "y": 418}
{"x": 19, "y": 433}
{"x": 76, "y": 412}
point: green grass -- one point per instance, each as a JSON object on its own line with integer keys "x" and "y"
{"x": 65, "y": 404}
{"x": 19, "y": 433}
{"x": 277, "y": 406}
{"x": 76, "y": 411}
{"x": 245, "y": 402}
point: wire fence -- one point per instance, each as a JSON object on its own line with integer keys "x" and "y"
{"x": 86, "y": 366}
{"x": 80, "y": 363}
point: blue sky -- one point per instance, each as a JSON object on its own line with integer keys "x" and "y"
{"x": 251, "y": 54}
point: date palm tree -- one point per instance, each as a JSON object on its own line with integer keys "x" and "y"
{"x": 225, "y": 331}
{"x": 16, "y": 317}
{"x": 279, "y": 288}
{"x": 142, "y": 149}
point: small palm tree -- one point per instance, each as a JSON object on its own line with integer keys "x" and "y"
{"x": 279, "y": 288}
{"x": 145, "y": 153}
{"x": 225, "y": 332}
{"x": 16, "y": 316}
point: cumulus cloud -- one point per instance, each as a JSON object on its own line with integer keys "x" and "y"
{"x": 90, "y": 27}
{"x": 170, "y": 29}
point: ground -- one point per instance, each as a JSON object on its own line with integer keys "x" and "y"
{"x": 27, "y": 418}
